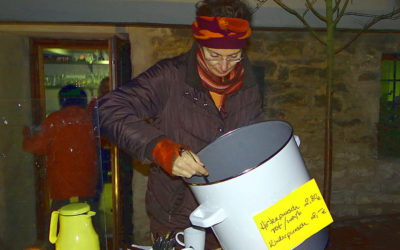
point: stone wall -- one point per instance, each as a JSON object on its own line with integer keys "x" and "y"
{"x": 363, "y": 184}
{"x": 295, "y": 92}
{"x": 17, "y": 189}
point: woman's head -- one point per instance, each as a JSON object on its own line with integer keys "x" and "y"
{"x": 222, "y": 24}
{"x": 224, "y": 8}
{"x": 222, "y": 28}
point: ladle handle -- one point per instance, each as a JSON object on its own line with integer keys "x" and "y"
{"x": 53, "y": 227}
{"x": 181, "y": 150}
{"x": 204, "y": 177}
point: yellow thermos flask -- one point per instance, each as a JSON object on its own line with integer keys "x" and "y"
{"x": 76, "y": 231}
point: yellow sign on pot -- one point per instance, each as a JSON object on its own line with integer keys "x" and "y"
{"x": 295, "y": 218}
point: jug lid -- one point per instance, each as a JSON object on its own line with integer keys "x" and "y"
{"x": 74, "y": 209}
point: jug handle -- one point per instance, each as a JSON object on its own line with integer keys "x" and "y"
{"x": 204, "y": 216}
{"x": 53, "y": 227}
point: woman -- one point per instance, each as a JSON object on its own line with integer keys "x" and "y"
{"x": 192, "y": 99}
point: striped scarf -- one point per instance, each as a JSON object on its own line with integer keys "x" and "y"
{"x": 220, "y": 85}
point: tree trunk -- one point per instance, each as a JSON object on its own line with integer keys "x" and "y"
{"x": 330, "y": 51}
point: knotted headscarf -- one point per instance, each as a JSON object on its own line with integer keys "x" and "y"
{"x": 221, "y": 32}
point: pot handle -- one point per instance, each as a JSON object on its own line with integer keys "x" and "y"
{"x": 205, "y": 217}
{"x": 53, "y": 227}
{"x": 297, "y": 139}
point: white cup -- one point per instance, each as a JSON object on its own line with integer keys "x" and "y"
{"x": 194, "y": 238}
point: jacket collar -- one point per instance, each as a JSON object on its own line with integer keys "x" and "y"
{"x": 192, "y": 76}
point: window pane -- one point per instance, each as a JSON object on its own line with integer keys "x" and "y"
{"x": 387, "y": 70}
{"x": 389, "y": 116}
{"x": 386, "y": 88}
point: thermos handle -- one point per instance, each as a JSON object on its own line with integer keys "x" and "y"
{"x": 206, "y": 217}
{"x": 91, "y": 213}
{"x": 53, "y": 227}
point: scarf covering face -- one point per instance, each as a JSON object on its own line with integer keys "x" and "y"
{"x": 221, "y": 32}
{"x": 220, "y": 85}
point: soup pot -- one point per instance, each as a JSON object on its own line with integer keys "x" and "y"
{"x": 250, "y": 169}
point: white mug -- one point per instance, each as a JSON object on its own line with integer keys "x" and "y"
{"x": 194, "y": 238}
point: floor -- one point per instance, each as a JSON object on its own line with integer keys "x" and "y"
{"x": 379, "y": 232}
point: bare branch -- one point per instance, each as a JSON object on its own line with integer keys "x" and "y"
{"x": 314, "y": 11}
{"x": 342, "y": 11}
{"x": 337, "y": 5}
{"x": 376, "y": 19}
{"x": 259, "y": 4}
{"x": 394, "y": 17}
{"x": 305, "y": 12}
{"x": 296, "y": 14}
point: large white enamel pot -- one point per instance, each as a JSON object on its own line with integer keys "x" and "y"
{"x": 250, "y": 169}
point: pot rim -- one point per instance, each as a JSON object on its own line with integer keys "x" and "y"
{"x": 248, "y": 169}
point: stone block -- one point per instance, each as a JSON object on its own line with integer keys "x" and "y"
{"x": 277, "y": 86}
{"x": 289, "y": 49}
{"x": 342, "y": 197}
{"x": 340, "y": 87}
{"x": 283, "y": 73}
{"x": 371, "y": 185}
{"x": 391, "y": 186}
{"x": 369, "y": 76}
{"x": 370, "y": 210}
{"x": 363, "y": 198}
{"x": 269, "y": 66}
{"x": 340, "y": 211}
{"x": 304, "y": 72}
{"x": 320, "y": 101}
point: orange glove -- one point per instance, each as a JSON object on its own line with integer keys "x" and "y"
{"x": 165, "y": 153}
{"x": 177, "y": 160}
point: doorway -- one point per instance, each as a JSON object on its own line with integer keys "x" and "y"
{"x": 94, "y": 66}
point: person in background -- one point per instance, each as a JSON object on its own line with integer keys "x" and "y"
{"x": 192, "y": 99}
{"x": 66, "y": 138}
{"x": 104, "y": 88}
{"x": 105, "y": 145}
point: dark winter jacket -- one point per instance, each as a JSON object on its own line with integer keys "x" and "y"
{"x": 181, "y": 109}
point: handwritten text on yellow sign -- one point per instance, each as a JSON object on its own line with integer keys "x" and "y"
{"x": 295, "y": 218}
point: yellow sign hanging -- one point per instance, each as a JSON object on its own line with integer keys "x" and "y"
{"x": 295, "y": 218}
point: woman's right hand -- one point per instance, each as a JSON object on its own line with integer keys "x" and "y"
{"x": 188, "y": 164}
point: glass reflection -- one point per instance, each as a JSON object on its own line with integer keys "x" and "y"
{"x": 67, "y": 141}
{"x": 72, "y": 161}
{"x": 25, "y": 190}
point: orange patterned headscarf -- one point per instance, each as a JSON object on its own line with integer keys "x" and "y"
{"x": 221, "y": 32}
